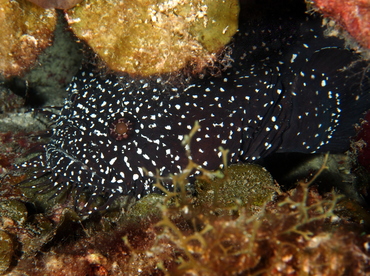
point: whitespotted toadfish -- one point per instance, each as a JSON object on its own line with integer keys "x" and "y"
{"x": 288, "y": 89}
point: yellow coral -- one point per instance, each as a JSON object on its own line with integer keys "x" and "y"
{"x": 155, "y": 36}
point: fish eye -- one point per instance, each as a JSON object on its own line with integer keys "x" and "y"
{"x": 121, "y": 128}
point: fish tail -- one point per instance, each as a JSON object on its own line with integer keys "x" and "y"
{"x": 327, "y": 97}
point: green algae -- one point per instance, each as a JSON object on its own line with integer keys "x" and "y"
{"x": 144, "y": 210}
{"x": 243, "y": 184}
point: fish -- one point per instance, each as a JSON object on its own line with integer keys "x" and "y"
{"x": 289, "y": 89}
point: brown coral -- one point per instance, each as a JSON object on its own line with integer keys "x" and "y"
{"x": 28, "y": 30}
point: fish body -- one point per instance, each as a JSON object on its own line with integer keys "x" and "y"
{"x": 288, "y": 89}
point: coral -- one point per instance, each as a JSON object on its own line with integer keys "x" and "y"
{"x": 6, "y": 251}
{"x": 58, "y": 4}
{"x": 155, "y": 36}
{"x": 28, "y": 29}
{"x": 353, "y": 16}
